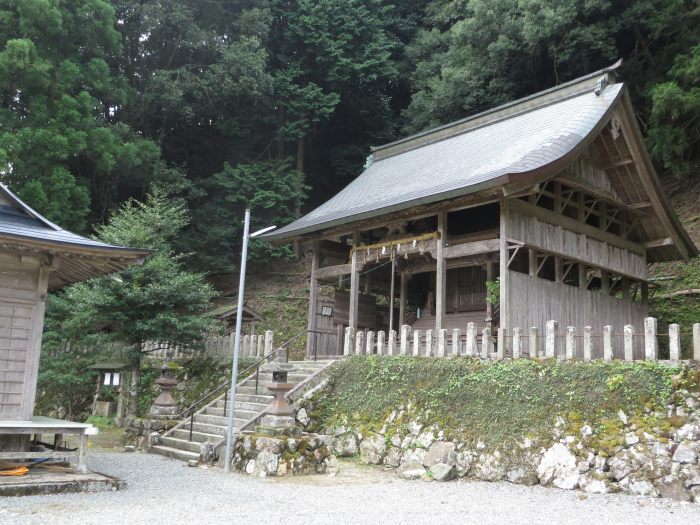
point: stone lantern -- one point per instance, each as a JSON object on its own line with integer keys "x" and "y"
{"x": 279, "y": 416}
{"x": 165, "y": 407}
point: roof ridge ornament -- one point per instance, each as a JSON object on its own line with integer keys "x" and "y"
{"x": 369, "y": 161}
{"x": 600, "y": 86}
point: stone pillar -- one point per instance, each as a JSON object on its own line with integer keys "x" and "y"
{"x": 405, "y": 332}
{"x": 696, "y": 341}
{"x": 517, "y": 342}
{"x": 269, "y": 341}
{"x": 570, "y": 342}
{"x": 533, "y": 342}
{"x": 349, "y": 340}
{"x": 428, "y": 343}
{"x": 416, "y": 343}
{"x": 550, "y": 343}
{"x": 456, "y": 342}
{"x": 587, "y": 343}
{"x": 501, "y": 343}
{"x": 608, "y": 344}
{"x": 471, "y": 340}
{"x": 441, "y": 343}
{"x": 674, "y": 343}
{"x": 381, "y": 338}
{"x": 651, "y": 346}
{"x": 359, "y": 342}
{"x": 370, "y": 343}
{"x": 391, "y": 346}
{"x": 486, "y": 343}
{"x": 629, "y": 342}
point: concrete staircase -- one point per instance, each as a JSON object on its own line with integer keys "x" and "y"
{"x": 210, "y": 422}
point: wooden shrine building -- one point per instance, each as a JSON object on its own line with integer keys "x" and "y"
{"x": 549, "y": 205}
{"x": 36, "y": 257}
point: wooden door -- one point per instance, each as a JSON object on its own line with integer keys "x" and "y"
{"x": 324, "y": 338}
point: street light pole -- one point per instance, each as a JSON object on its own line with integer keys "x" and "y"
{"x": 237, "y": 336}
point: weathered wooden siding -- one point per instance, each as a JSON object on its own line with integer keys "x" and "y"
{"x": 558, "y": 240}
{"x": 324, "y": 336}
{"x": 534, "y": 301}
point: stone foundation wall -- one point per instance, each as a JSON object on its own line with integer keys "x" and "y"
{"x": 137, "y": 430}
{"x": 264, "y": 456}
{"x": 651, "y": 454}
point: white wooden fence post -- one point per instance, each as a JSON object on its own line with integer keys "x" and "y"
{"x": 570, "y": 342}
{"x": 608, "y": 344}
{"x": 405, "y": 331}
{"x": 369, "y": 346}
{"x": 391, "y": 345}
{"x": 381, "y": 341}
{"x": 428, "y": 343}
{"x": 456, "y": 341}
{"x": 696, "y": 341}
{"x": 587, "y": 343}
{"x": 501, "y": 343}
{"x": 471, "y": 339}
{"x": 517, "y": 342}
{"x": 486, "y": 343}
{"x": 651, "y": 346}
{"x": 550, "y": 343}
{"x": 674, "y": 343}
{"x": 629, "y": 342}
{"x": 269, "y": 341}
{"x": 359, "y": 342}
{"x": 349, "y": 340}
{"x": 533, "y": 343}
{"x": 416, "y": 343}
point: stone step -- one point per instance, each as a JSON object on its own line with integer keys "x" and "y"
{"x": 221, "y": 421}
{"x": 182, "y": 444}
{"x": 175, "y": 453}
{"x": 247, "y": 398}
{"x": 199, "y": 437}
{"x": 241, "y": 405}
{"x": 209, "y": 429}
{"x": 242, "y": 413}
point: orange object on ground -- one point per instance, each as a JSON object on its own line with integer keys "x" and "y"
{"x": 19, "y": 471}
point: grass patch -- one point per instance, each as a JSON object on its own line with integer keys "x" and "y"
{"x": 496, "y": 401}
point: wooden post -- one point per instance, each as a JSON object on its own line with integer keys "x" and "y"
{"x": 570, "y": 342}
{"x": 405, "y": 331}
{"x": 269, "y": 341}
{"x": 500, "y": 344}
{"x": 486, "y": 343}
{"x": 441, "y": 272}
{"x": 645, "y": 293}
{"x": 313, "y": 298}
{"x": 696, "y": 341}
{"x": 392, "y": 292}
{"x": 402, "y": 300}
{"x": 587, "y": 343}
{"x": 354, "y": 284}
{"x": 550, "y": 343}
{"x": 489, "y": 306}
{"x": 441, "y": 343}
{"x": 533, "y": 343}
{"x": 471, "y": 339}
{"x": 428, "y": 343}
{"x": 558, "y": 270}
{"x": 605, "y": 282}
{"x": 359, "y": 342}
{"x": 349, "y": 341}
{"x": 517, "y": 342}
{"x": 391, "y": 346}
{"x": 381, "y": 342}
{"x": 456, "y": 341}
{"x": 608, "y": 344}
{"x": 504, "y": 307}
{"x": 629, "y": 342}
{"x": 416, "y": 343}
{"x": 651, "y": 347}
{"x": 369, "y": 346}
{"x": 674, "y": 343}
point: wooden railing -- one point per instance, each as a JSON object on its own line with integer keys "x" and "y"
{"x": 217, "y": 347}
{"x": 569, "y": 343}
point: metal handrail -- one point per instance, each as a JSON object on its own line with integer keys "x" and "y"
{"x": 191, "y": 410}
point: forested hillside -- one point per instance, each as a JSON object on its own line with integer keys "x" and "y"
{"x": 274, "y": 103}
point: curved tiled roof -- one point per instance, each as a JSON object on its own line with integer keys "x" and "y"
{"x": 468, "y": 155}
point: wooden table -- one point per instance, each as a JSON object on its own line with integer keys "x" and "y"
{"x": 47, "y": 425}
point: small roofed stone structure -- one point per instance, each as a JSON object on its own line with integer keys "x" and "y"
{"x": 37, "y": 256}
{"x": 228, "y": 312}
{"x": 549, "y": 203}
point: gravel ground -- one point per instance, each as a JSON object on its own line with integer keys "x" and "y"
{"x": 165, "y": 491}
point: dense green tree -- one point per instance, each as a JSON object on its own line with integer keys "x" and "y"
{"x": 157, "y": 301}
{"x": 61, "y": 146}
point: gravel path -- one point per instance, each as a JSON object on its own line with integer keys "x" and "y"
{"x": 165, "y": 491}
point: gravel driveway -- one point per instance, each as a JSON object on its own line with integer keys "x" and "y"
{"x": 165, "y": 491}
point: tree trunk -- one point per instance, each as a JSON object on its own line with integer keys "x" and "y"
{"x": 301, "y": 143}
{"x": 134, "y": 387}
